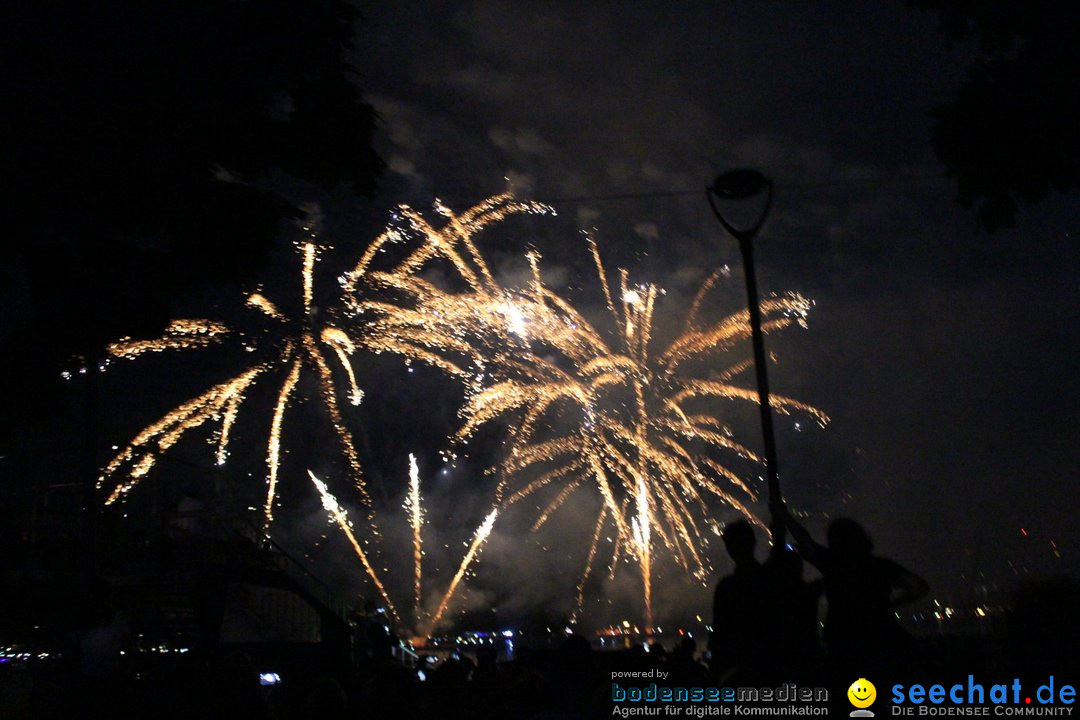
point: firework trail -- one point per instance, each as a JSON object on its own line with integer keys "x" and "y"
{"x": 416, "y": 519}
{"x": 338, "y": 516}
{"x": 642, "y": 541}
{"x": 474, "y": 549}
{"x": 579, "y": 599}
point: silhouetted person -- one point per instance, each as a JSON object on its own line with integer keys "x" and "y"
{"x": 486, "y": 663}
{"x": 375, "y": 637}
{"x": 685, "y": 669}
{"x": 862, "y": 589}
{"x": 791, "y": 625}
{"x": 102, "y": 646}
{"x": 574, "y": 674}
{"x": 326, "y": 700}
{"x": 738, "y": 612}
{"x": 237, "y": 693}
{"x": 100, "y": 661}
{"x": 1044, "y": 627}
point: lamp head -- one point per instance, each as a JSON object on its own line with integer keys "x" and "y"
{"x": 740, "y": 184}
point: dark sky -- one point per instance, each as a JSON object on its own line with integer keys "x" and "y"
{"x": 946, "y": 358}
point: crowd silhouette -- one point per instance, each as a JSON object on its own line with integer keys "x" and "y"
{"x": 766, "y": 633}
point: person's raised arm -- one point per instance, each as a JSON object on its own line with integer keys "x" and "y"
{"x": 809, "y": 548}
{"x": 906, "y": 586}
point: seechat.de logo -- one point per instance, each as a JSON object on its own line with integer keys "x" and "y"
{"x": 862, "y": 694}
{"x": 974, "y": 698}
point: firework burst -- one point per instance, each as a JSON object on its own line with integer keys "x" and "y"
{"x": 293, "y": 346}
{"x": 607, "y": 408}
{"x": 639, "y": 424}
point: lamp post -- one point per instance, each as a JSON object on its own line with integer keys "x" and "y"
{"x": 745, "y": 184}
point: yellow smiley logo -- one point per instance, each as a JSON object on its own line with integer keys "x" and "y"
{"x": 862, "y": 693}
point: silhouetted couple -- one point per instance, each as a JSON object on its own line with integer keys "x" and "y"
{"x": 765, "y": 616}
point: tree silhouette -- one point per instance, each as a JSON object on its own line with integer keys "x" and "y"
{"x": 144, "y": 146}
{"x": 1012, "y": 134}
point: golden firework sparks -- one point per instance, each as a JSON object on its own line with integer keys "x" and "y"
{"x": 180, "y": 334}
{"x": 296, "y": 345}
{"x": 588, "y": 408}
{"x": 641, "y": 425}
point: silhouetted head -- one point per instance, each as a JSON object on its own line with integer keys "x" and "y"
{"x": 684, "y": 650}
{"x": 575, "y": 647}
{"x": 486, "y": 655}
{"x": 847, "y": 537}
{"x": 739, "y": 540}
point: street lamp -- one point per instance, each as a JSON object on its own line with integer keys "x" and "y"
{"x": 745, "y": 184}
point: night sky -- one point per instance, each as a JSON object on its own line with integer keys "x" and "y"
{"x": 945, "y": 356}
